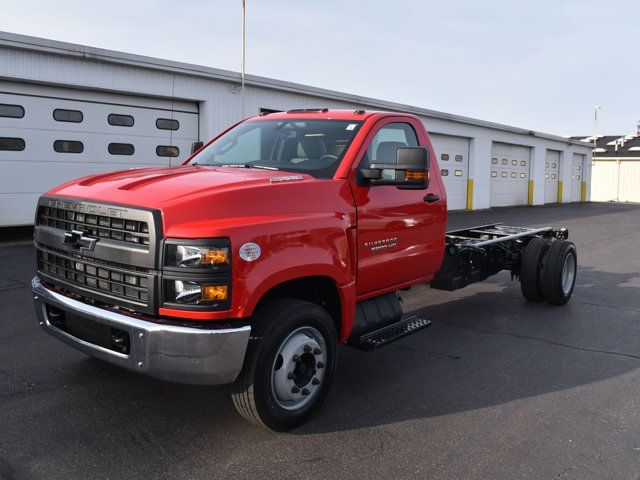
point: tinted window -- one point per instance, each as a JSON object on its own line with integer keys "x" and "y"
{"x": 61, "y": 115}
{"x": 167, "y": 151}
{"x": 120, "y": 120}
{"x": 385, "y": 143}
{"x": 11, "y": 144}
{"x": 68, "y": 146}
{"x": 11, "y": 111}
{"x": 121, "y": 149}
{"x": 297, "y": 145}
{"x": 167, "y": 124}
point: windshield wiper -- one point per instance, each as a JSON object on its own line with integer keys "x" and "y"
{"x": 246, "y": 165}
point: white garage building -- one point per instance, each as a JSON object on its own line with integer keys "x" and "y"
{"x": 616, "y": 167}
{"x": 69, "y": 110}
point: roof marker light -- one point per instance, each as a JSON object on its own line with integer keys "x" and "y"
{"x": 308, "y": 110}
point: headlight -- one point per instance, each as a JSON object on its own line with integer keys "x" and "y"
{"x": 199, "y": 257}
{"x": 197, "y": 274}
{"x": 186, "y": 292}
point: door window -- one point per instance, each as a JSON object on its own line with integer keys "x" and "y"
{"x": 385, "y": 143}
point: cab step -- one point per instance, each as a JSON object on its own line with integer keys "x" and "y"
{"x": 390, "y": 333}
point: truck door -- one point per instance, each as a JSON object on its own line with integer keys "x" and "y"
{"x": 400, "y": 233}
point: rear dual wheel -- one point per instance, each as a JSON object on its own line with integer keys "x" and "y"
{"x": 560, "y": 268}
{"x": 531, "y": 269}
{"x": 548, "y": 271}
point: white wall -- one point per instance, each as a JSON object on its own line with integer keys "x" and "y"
{"x": 221, "y": 103}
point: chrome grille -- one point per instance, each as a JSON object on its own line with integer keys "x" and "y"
{"x": 101, "y": 226}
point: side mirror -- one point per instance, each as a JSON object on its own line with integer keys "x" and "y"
{"x": 410, "y": 172}
{"x": 195, "y": 146}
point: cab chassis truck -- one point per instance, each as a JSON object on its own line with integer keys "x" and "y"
{"x": 284, "y": 236}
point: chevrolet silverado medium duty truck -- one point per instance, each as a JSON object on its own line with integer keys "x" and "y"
{"x": 283, "y": 237}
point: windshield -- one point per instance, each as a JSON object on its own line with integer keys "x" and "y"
{"x": 315, "y": 147}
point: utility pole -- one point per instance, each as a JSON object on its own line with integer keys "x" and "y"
{"x": 244, "y": 41}
{"x": 595, "y": 123}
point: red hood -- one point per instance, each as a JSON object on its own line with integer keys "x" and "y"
{"x": 198, "y": 201}
{"x": 164, "y": 186}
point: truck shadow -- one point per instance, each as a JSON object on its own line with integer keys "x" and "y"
{"x": 486, "y": 347}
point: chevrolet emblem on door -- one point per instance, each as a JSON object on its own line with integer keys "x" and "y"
{"x": 77, "y": 240}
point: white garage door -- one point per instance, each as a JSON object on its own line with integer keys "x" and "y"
{"x": 551, "y": 176}
{"x": 509, "y": 174}
{"x": 453, "y": 158}
{"x": 577, "y": 169}
{"x": 615, "y": 181}
{"x": 56, "y": 135}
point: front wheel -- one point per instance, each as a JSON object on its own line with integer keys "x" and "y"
{"x": 289, "y": 365}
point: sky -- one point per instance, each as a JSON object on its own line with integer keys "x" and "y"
{"x": 542, "y": 65}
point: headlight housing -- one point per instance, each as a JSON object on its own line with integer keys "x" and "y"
{"x": 213, "y": 255}
{"x": 197, "y": 274}
{"x": 196, "y": 292}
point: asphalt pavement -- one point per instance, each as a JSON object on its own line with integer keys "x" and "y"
{"x": 496, "y": 388}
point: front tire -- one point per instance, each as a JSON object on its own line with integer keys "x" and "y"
{"x": 289, "y": 365}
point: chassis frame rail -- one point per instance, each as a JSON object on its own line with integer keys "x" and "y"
{"x": 475, "y": 253}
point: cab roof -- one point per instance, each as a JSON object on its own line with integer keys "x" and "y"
{"x": 321, "y": 113}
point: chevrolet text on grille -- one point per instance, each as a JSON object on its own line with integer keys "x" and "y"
{"x": 89, "y": 208}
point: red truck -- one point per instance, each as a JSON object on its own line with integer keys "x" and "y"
{"x": 284, "y": 236}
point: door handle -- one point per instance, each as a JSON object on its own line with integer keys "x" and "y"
{"x": 432, "y": 197}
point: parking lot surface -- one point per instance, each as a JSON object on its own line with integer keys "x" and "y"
{"x": 496, "y": 388}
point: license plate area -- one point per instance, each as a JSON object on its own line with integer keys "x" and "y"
{"x": 96, "y": 333}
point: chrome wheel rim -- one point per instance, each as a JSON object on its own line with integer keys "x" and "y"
{"x": 568, "y": 273}
{"x": 299, "y": 368}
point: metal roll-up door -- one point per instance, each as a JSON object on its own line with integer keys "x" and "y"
{"x": 452, "y": 154}
{"x": 510, "y": 166}
{"x": 629, "y": 184}
{"x": 577, "y": 171}
{"x": 56, "y": 135}
{"x": 551, "y": 176}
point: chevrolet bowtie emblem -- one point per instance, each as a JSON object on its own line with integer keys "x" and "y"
{"x": 77, "y": 240}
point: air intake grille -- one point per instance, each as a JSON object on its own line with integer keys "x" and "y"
{"x": 130, "y": 231}
{"x": 102, "y": 277}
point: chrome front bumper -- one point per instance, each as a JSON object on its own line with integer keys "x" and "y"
{"x": 168, "y": 352}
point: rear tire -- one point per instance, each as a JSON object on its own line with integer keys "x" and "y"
{"x": 561, "y": 267}
{"x": 289, "y": 365}
{"x": 531, "y": 270}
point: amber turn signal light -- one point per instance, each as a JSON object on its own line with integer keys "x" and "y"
{"x": 415, "y": 175}
{"x": 214, "y": 293}
{"x": 214, "y": 256}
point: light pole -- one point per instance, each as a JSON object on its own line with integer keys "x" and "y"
{"x": 595, "y": 124}
{"x": 244, "y": 37}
